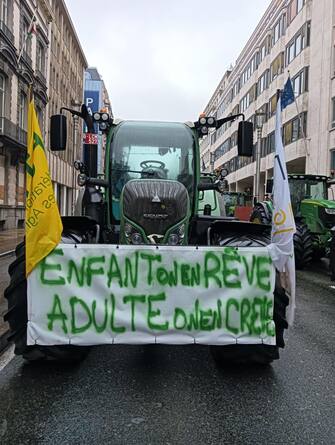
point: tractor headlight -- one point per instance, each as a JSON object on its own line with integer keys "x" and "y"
{"x": 104, "y": 117}
{"x": 173, "y": 239}
{"x": 96, "y": 116}
{"x": 136, "y": 238}
{"x": 177, "y": 236}
{"x": 330, "y": 211}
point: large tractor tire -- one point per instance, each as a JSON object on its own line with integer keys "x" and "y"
{"x": 260, "y": 216}
{"x": 303, "y": 246}
{"x": 16, "y": 316}
{"x": 254, "y": 354}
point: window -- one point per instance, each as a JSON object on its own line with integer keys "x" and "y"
{"x": 4, "y": 11}
{"x": 222, "y": 149}
{"x": 277, "y": 66}
{"x": 23, "y": 111}
{"x": 39, "y": 113}
{"x": 250, "y": 68}
{"x": 300, "y": 4}
{"x": 298, "y": 43}
{"x": 25, "y": 43}
{"x": 292, "y": 129}
{"x": 2, "y": 95}
{"x": 332, "y": 160}
{"x": 278, "y": 30}
{"x": 40, "y": 58}
{"x": 293, "y": 9}
{"x": 262, "y": 82}
{"x": 263, "y": 112}
{"x": 262, "y": 52}
{"x": 273, "y": 105}
{"x": 245, "y": 102}
{"x": 333, "y": 113}
{"x": 300, "y": 82}
{"x": 2, "y": 101}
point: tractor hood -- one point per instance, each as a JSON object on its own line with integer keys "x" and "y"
{"x": 326, "y": 203}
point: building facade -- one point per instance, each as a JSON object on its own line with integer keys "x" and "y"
{"x": 24, "y": 42}
{"x": 97, "y": 99}
{"x": 66, "y": 89}
{"x": 296, "y": 38}
{"x": 39, "y": 47}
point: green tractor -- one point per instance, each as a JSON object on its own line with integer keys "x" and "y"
{"x": 152, "y": 194}
{"x": 212, "y": 202}
{"x": 314, "y": 216}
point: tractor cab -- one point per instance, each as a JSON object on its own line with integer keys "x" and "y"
{"x": 307, "y": 187}
{"x": 309, "y": 197}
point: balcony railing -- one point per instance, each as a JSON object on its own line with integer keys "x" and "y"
{"x": 5, "y": 30}
{"x": 12, "y": 132}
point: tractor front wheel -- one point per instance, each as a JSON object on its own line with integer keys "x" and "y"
{"x": 254, "y": 354}
{"x": 16, "y": 316}
{"x": 303, "y": 246}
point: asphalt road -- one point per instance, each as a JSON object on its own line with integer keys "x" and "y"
{"x": 177, "y": 395}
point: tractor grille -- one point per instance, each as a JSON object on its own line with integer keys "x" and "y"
{"x": 327, "y": 219}
{"x": 155, "y": 205}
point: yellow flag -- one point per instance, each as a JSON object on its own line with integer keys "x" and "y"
{"x": 43, "y": 223}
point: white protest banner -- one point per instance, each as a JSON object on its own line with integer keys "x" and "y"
{"x": 100, "y": 294}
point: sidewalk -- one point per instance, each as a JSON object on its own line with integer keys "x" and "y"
{"x": 9, "y": 239}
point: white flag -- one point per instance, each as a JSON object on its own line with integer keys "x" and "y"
{"x": 283, "y": 224}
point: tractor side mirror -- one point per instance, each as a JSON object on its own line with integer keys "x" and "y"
{"x": 269, "y": 187}
{"x": 245, "y": 139}
{"x": 58, "y": 132}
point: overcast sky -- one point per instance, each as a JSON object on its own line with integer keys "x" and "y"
{"x": 163, "y": 59}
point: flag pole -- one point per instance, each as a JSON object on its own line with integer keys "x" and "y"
{"x": 26, "y": 37}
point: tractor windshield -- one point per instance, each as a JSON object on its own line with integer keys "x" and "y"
{"x": 306, "y": 188}
{"x": 151, "y": 150}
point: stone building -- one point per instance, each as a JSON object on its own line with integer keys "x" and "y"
{"x": 66, "y": 89}
{"x": 296, "y": 38}
{"x": 52, "y": 60}
{"x": 23, "y": 61}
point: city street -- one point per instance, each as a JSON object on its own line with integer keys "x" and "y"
{"x": 176, "y": 395}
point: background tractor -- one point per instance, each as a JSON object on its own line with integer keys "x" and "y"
{"x": 152, "y": 193}
{"x": 314, "y": 216}
{"x": 238, "y": 204}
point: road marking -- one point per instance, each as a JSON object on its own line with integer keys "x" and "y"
{"x": 6, "y": 357}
